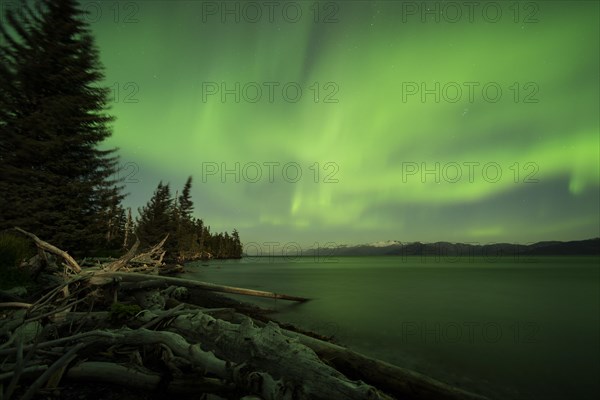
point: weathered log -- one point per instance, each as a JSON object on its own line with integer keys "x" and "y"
{"x": 26, "y": 371}
{"x": 121, "y": 262}
{"x": 202, "y": 361}
{"x": 58, "y": 364}
{"x": 106, "y": 372}
{"x": 205, "y": 360}
{"x": 296, "y": 367}
{"x": 55, "y": 342}
{"x": 71, "y": 263}
{"x": 147, "y": 262}
{"x": 149, "y": 256}
{"x": 400, "y": 382}
{"x": 15, "y": 304}
{"x": 100, "y": 278}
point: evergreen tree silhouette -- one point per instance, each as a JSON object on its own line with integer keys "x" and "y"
{"x": 55, "y": 179}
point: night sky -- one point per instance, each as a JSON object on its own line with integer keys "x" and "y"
{"x": 461, "y": 123}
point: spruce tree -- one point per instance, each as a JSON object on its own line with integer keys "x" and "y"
{"x": 198, "y": 245}
{"x": 155, "y": 217}
{"x": 186, "y": 206}
{"x": 56, "y": 180}
{"x": 186, "y": 235}
{"x": 237, "y": 244}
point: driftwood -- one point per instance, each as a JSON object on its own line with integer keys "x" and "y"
{"x": 106, "y": 372}
{"x": 287, "y": 365}
{"x": 15, "y": 304}
{"x": 100, "y": 278}
{"x": 399, "y": 382}
{"x": 137, "y": 330}
{"x": 122, "y": 262}
{"x": 154, "y": 256}
{"x": 70, "y": 261}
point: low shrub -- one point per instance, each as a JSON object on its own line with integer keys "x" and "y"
{"x": 14, "y": 249}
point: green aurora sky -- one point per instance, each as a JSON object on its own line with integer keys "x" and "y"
{"x": 163, "y": 55}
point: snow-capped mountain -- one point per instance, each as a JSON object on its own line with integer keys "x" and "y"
{"x": 384, "y": 243}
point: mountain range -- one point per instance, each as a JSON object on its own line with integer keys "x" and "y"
{"x": 394, "y": 247}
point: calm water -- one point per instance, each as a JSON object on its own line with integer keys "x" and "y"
{"x": 511, "y": 329}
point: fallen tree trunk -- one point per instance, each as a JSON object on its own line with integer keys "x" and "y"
{"x": 121, "y": 262}
{"x": 204, "y": 360}
{"x": 15, "y": 304}
{"x": 400, "y": 382}
{"x": 154, "y": 256}
{"x": 71, "y": 263}
{"x": 101, "y": 278}
{"x": 107, "y": 372}
{"x": 134, "y": 378}
{"x": 291, "y": 367}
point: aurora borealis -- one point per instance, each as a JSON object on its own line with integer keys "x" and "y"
{"x": 361, "y": 98}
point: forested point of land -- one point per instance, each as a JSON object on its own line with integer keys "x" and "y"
{"x": 56, "y": 178}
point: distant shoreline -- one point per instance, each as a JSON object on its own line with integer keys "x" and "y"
{"x": 588, "y": 247}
